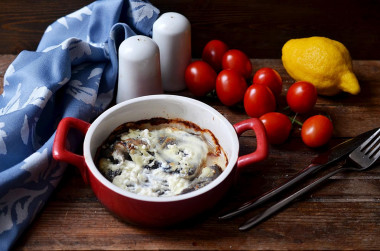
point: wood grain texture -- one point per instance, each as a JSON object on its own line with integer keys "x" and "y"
{"x": 259, "y": 27}
{"x": 5, "y": 61}
{"x": 344, "y": 213}
{"x": 23, "y": 22}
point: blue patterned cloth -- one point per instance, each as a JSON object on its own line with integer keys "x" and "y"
{"x": 72, "y": 73}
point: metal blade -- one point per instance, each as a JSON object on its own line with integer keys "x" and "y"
{"x": 327, "y": 158}
{"x": 342, "y": 150}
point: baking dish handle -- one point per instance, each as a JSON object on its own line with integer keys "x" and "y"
{"x": 261, "y": 151}
{"x": 61, "y": 153}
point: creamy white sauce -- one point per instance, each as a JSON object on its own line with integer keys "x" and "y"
{"x": 162, "y": 161}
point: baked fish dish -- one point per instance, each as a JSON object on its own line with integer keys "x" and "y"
{"x": 161, "y": 157}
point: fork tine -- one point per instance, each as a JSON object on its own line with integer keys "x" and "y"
{"x": 364, "y": 145}
{"x": 375, "y": 149}
{"x": 361, "y": 156}
{"x": 377, "y": 155}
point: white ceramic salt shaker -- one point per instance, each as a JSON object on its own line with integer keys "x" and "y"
{"x": 172, "y": 33}
{"x": 139, "y": 68}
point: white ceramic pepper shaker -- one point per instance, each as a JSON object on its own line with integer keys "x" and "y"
{"x": 172, "y": 33}
{"x": 139, "y": 68}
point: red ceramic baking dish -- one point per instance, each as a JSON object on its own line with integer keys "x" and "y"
{"x": 159, "y": 211}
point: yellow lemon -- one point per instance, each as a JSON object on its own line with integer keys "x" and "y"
{"x": 321, "y": 61}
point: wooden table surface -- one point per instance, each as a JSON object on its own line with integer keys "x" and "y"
{"x": 344, "y": 213}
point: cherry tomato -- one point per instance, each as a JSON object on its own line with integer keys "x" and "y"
{"x": 200, "y": 78}
{"x": 213, "y": 53}
{"x": 316, "y": 131}
{"x": 269, "y": 77}
{"x": 238, "y": 61}
{"x": 277, "y": 126}
{"x": 230, "y": 87}
{"x": 258, "y": 100}
{"x": 301, "y": 97}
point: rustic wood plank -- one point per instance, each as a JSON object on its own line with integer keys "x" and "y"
{"x": 24, "y": 22}
{"x": 344, "y": 213}
{"x": 87, "y": 225}
{"x": 5, "y": 61}
{"x": 75, "y": 220}
{"x": 260, "y": 28}
{"x": 341, "y": 214}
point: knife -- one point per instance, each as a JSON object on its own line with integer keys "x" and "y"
{"x": 324, "y": 159}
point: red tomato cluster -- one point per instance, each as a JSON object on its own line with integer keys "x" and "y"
{"x": 301, "y": 98}
{"x": 221, "y": 69}
{"x": 226, "y": 71}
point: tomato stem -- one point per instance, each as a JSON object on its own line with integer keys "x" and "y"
{"x": 212, "y": 94}
{"x": 294, "y": 120}
{"x": 286, "y": 108}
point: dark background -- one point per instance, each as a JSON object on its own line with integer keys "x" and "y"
{"x": 258, "y": 27}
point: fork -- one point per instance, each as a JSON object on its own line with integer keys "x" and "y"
{"x": 362, "y": 157}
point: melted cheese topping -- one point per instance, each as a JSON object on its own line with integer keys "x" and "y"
{"x": 161, "y": 161}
